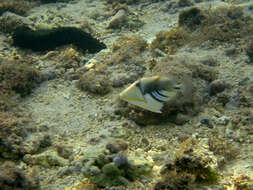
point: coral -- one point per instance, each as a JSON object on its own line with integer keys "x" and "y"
{"x": 193, "y": 163}
{"x": 19, "y": 78}
{"x": 82, "y": 184}
{"x": 35, "y": 143}
{"x": 94, "y": 82}
{"x": 13, "y": 178}
{"x": 18, "y": 7}
{"x": 191, "y": 18}
{"x": 193, "y": 157}
{"x": 10, "y": 21}
{"x": 242, "y": 182}
{"x": 222, "y": 147}
{"x": 177, "y": 182}
{"x": 46, "y": 159}
{"x": 68, "y": 58}
{"x": 108, "y": 169}
{"x": 195, "y": 26}
{"x": 117, "y": 146}
{"x": 64, "y": 151}
{"x": 169, "y": 41}
{"x": 127, "y": 46}
{"x": 223, "y": 24}
{"x": 12, "y": 134}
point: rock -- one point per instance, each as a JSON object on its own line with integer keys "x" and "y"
{"x": 216, "y": 86}
{"x": 94, "y": 82}
{"x": 10, "y": 21}
{"x": 232, "y": 51}
{"x": 205, "y": 120}
{"x": 209, "y": 61}
{"x": 138, "y": 167}
{"x": 117, "y": 146}
{"x": 109, "y": 170}
{"x": 181, "y": 119}
{"x": 65, "y": 171}
{"x": 184, "y": 3}
{"x": 13, "y": 178}
{"x": 118, "y": 19}
{"x": 35, "y": 142}
{"x": 191, "y": 18}
{"x": 12, "y": 134}
{"x": 192, "y": 163}
{"x": 242, "y": 182}
{"x": 120, "y": 79}
{"x": 64, "y": 151}
{"x": 46, "y": 159}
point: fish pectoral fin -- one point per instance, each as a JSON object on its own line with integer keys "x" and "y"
{"x": 136, "y": 99}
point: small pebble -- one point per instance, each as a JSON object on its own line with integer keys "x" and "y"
{"x": 216, "y": 86}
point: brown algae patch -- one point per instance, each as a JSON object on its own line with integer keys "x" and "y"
{"x": 193, "y": 163}
{"x": 19, "y": 78}
{"x": 195, "y": 26}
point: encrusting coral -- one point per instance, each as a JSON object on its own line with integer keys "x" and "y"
{"x": 12, "y": 134}
{"x": 18, "y": 7}
{"x": 195, "y": 26}
{"x": 193, "y": 163}
{"x": 94, "y": 82}
{"x": 19, "y": 78}
{"x": 127, "y": 46}
{"x": 115, "y": 169}
{"x": 13, "y": 178}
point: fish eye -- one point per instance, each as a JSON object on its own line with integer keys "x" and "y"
{"x": 138, "y": 83}
{"x": 176, "y": 87}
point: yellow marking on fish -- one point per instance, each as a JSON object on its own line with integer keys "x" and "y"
{"x": 157, "y": 79}
{"x": 136, "y": 99}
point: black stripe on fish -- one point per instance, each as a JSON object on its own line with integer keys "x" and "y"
{"x": 155, "y": 95}
{"x": 159, "y": 93}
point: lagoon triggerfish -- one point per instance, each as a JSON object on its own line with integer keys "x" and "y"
{"x": 151, "y": 93}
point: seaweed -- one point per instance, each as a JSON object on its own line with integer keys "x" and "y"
{"x": 18, "y": 78}
{"x": 195, "y": 26}
{"x": 19, "y": 7}
{"x": 169, "y": 41}
{"x": 94, "y": 82}
{"x": 193, "y": 164}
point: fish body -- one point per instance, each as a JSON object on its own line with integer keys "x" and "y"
{"x": 150, "y": 93}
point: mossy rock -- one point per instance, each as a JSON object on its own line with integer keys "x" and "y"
{"x": 18, "y": 7}
{"x": 104, "y": 171}
{"x": 46, "y": 159}
{"x": 138, "y": 167}
{"x": 19, "y": 78}
{"x": 95, "y": 83}
{"x": 108, "y": 176}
